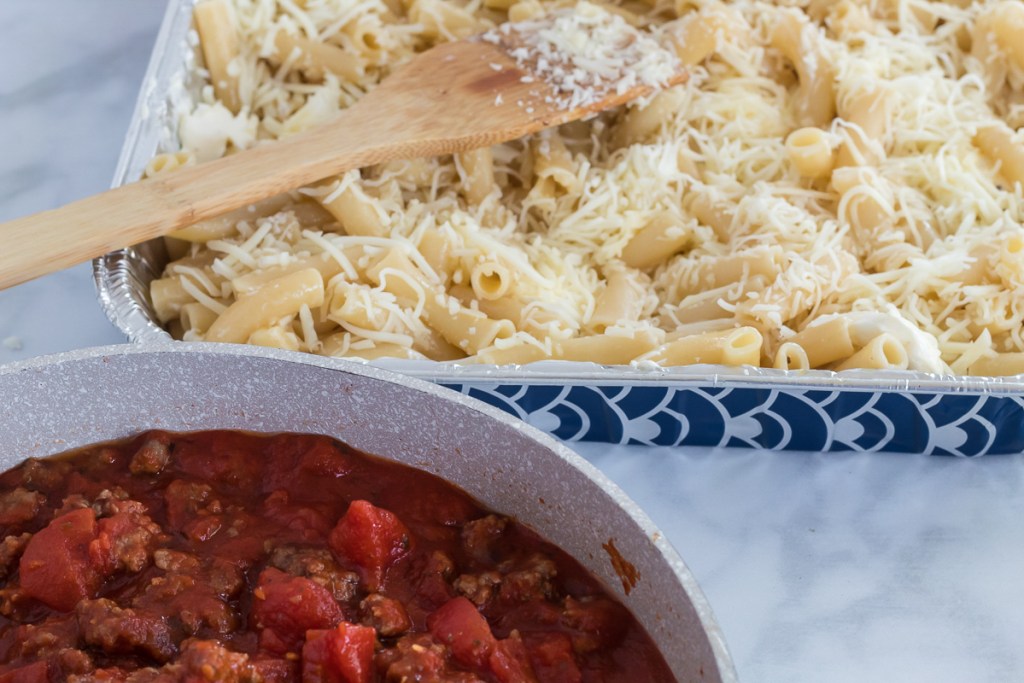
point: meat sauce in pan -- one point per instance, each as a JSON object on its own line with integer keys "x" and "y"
{"x": 228, "y": 556}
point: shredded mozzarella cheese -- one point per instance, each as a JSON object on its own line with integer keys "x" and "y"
{"x": 922, "y": 242}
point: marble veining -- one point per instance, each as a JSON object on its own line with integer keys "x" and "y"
{"x": 845, "y": 567}
{"x": 838, "y": 567}
{"x": 70, "y": 71}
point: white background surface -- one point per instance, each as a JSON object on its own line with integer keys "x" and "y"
{"x": 834, "y": 567}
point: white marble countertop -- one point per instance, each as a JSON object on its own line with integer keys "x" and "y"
{"x": 835, "y": 567}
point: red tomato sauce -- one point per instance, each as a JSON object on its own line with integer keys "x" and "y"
{"x": 227, "y": 556}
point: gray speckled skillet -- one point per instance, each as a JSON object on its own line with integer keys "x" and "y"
{"x": 61, "y": 402}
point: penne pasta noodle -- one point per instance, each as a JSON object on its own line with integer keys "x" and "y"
{"x": 250, "y": 283}
{"x": 810, "y": 152}
{"x": 197, "y": 318}
{"x": 717, "y": 271}
{"x": 477, "y": 172}
{"x": 314, "y": 59}
{"x": 642, "y": 121}
{"x": 553, "y": 167}
{"x": 791, "y": 356}
{"x": 998, "y": 365}
{"x": 312, "y": 215}
{"x": 707, "y": 305}
{"x": 798, "y": 41}
{"x": 438, "y": 251}
{"x": 356, "y": 211}
{"x": 621, "y": 301}
{"x": 226, "y": 224}
{"x": 525, "y": 10}
{"x": 716, "y": 215}
{"x": 825, "y": 342}
{"x": 442, "y": 19}
{"x": 490, "y": 280}
{"x": 1010, "y": 261}
{"x": 382, "y": 350}
{"x": 275, "y": 338}
{"x": 464, "y": 328}
{"x": 738, "y": 346}
{"x": 606, "y": 349}
{"x": 1004, "y": 21}
{"x": 697, "y": 35}
{"x": 998, "y": 144}
{"x": 406, "y": 281}
{"x": 215, "y": 22}
{"x": 168, "y": 295}
{"x": 980, "y": 267}
{"x": 507, "y": 307}
{"x": 518, "y": 354}
{"x": 883, "y": 352}
{"x": 434, "y": 346}
{"x": 275, "y": 300}
{"x": 864, "y": 115}
{"x": 663, "y": 236}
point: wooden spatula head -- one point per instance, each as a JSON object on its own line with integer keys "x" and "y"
{"x": 491, "y": 89}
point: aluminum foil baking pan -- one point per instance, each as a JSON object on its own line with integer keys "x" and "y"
{"x": 69, "y": 400}
{"x": 699, "y": 405}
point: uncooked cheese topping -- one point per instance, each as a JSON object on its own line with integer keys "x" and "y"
{"x": 912, "y": 82}
{"x": 584, "y": 53}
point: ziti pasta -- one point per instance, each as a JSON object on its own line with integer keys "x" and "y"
{"x": 838, "y": 185}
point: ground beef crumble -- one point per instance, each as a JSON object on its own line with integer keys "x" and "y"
{"x": 222, "y": 556}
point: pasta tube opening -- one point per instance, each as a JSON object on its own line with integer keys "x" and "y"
{"x": 791, "y": 356}
{"x": 490, "y": 280}
{"x": 883, "y": 352}
{"x": 810, "y": 152}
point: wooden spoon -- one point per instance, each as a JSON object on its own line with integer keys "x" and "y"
{"x": 454, "y": 97}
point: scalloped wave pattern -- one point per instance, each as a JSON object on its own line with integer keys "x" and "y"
{"x": 775, "y": 419}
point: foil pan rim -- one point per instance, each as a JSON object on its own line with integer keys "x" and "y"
{"x": 114, "y": 274}
{"x": 121, "y": 279}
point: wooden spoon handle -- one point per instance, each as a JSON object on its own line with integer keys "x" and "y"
{"x": 49, "y": 241}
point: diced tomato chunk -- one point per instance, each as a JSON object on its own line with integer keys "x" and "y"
{"x": 286, "y": 606}
{"x": 552, "y": 658}
{"x": 342, "y": 655}
{"x": 316, "y": 658}
{"x": 459, "y": 625}
{"x": 371, "y": 538}
{"x": 55, "y": 567}
{"x": 353, "y": 652}
{"x": 510, "y": 662}
{"x": 37, "y": 672}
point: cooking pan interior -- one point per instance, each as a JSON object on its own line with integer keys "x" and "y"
{"x": 66, "y": 401}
